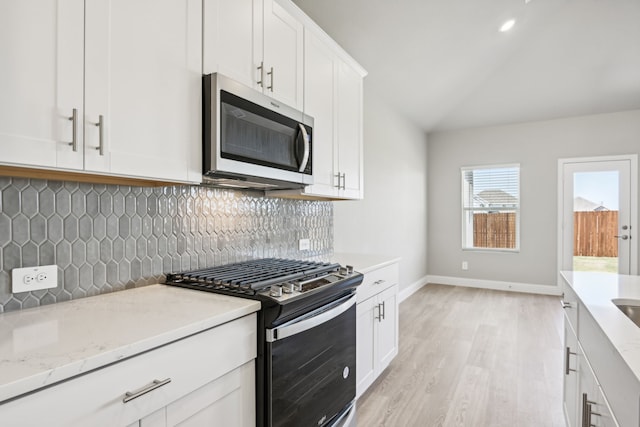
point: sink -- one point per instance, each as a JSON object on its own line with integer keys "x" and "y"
{"x": 630, "y": 308}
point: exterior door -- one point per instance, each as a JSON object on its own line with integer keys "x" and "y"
{"x": 598, "y": 219}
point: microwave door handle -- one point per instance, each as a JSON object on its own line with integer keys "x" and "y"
{"x": 305, "y": 156}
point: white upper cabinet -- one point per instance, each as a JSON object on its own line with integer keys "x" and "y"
{"x": 230, "y": 37}
{"x": 282, "y": 55}
{"x": 333, "y": 97}
{"x": 143, "y": 77}
{"x": 130, "y": 69}
{"x": 41, "y": 49}
{"x": 258, "y": 43}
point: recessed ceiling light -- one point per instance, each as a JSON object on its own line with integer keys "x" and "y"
{"x": 507, "y": 25}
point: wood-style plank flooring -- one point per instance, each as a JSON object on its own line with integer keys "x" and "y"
{"x": 472, "y": 357}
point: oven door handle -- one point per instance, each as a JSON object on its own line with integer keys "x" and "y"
{"x": 323, "y": 315}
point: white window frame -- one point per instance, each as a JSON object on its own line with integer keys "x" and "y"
{"x": 467, "y": 228}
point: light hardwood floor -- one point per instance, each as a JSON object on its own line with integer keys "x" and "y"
{"x": 472, "y": 357}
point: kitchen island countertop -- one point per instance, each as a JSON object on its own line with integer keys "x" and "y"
{"x": 596, "y": 292}
{"x": 48, "y": 344}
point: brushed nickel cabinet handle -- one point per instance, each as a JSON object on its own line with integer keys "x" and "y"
{"x": 383, "y": 310}
{"x": 270, "y": 73}
{"x": 379, "y": 282}
{"x": 130, "y": 395}
{"x": 339, "y": 176}
{"x": 261, "y": 69}
{"x": 74, "y": 129}
{"x": 567, "y": 367}
{"x": 344, "y": 181}
{"x": 565, "y": 304}
{"x": 100, "y": 125}
{"x": 377, "y": 317}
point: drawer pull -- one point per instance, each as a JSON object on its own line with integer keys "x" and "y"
{"x": 130, "y": 395}
{"x": 565, "y": 304}
{"x": 567, "y": 367}
{"x": 379, "y": 282}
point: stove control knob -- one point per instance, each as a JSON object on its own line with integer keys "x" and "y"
{"x": 288, "y": 288}
{"x": 276, "y": 291}
{"x": 349, "y": 269}
{"x": 342, "y": 271}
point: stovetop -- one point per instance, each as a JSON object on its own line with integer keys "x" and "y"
{"x": 274, "y": 280}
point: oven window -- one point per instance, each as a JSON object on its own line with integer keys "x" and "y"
{"x": 313, "y": 373}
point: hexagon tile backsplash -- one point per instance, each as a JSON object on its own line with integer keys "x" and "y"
{"x": 106, "y": 237}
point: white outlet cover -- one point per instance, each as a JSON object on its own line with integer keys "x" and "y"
{"x": 304, "y": 244}
{"x": 34, "y": 278}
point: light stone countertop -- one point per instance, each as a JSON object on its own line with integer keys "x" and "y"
{"x": 44, "y": 345}
{"x": 596, "y": 290}
{"x": 364, "y": 263}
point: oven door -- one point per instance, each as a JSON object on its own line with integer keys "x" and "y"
{"x": 311, "y": 366}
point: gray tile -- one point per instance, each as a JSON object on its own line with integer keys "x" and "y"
{"x": 124, "y": 271}
{"x": 93, "y": 203}
{"x": 78, "y": 253}
{"x": 124, "y": 227}
{"x": 100, "y": 275}
{"x": 12, "y": 305}
{"x": 10, "y": 201}
{"x": 5, "y": 181}
{"x": 141, "y": 247}
{"x": 93, "y": 251}
{"x": 118, "y": 249}
{"x": 130, "y": 204}
{"x": 48, "y": 298}
{"x": 63, "y": 254}
{"x": 5, "y": 229}
{"x": 63, "y": 202}
{"x": 85, "y": 228}
{"x": 112, "y": 227}
{"x": 29, "y": 200}
{"x": 106, "y": 204}
{"x": 147, "y": 226}
{"x": 46, "y": 202}
{"x": 38, "y": 227}
{"x": 55, "y": 229}
{"x": 71, "y": 278}
{"x": 106, "y": 254}
{"x": 47, "y": 253}
{"x": 129, "y": 248}
{"x": 30, "y": 255}
{"x": 78, "y": 203}
{"x": 118, "y": 203}
{"x": 136, "y": 269}
{"x": 112, "y": 273}
{"x": 136, "y": 227}
{"x": 99, "y": 227}
{"x": 30, "y": 302}
{"x": 85, "y": 276}
{"x": 11, "y": 256}
{"x": 70, "y": 225}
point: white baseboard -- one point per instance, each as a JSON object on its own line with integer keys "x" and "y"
{"x": 494, "y": 284}
{"x": 407, "y": 291}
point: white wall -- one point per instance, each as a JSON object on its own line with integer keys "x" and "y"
{"x": 392, "y": 218}
{"x": 537, "y": 147}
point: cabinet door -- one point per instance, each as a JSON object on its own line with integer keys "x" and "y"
{"x": 594, "y": 409}
{"x": 41, "y": 46}
{"x": 366, "y": 314}
{"x": 349, "y": 121}
{"x": 319, "y": 99}
{"x": 143, "y": 77}
{"x": 231, "y": 39}
{"x": 283, "y": 46}
{"x": 227, "y": 401}
{"x": 387, "y": 347}
{"x": 570, "y": 387}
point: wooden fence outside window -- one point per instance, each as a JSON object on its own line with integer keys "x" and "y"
{"x": 593, "y": 233}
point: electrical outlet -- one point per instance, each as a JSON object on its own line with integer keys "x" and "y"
{"x": 304, "y": 244}
{"x": 34, "y": 278}
{"x": 465, "y": 265}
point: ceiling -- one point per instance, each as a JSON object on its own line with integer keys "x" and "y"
{"x": 445, "y": 65}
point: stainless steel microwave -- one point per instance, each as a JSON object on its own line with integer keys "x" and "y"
{"x": 252, "y": 140}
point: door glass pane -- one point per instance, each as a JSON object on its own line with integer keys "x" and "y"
{"x": 595, "y": 221}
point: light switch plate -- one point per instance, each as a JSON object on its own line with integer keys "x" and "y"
{"x": 34, "y": 278}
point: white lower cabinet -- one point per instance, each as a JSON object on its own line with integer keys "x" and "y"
{"x": 377, "y": 325}
{"x": 597, "y": 389}
{"x": 207, "y": 376}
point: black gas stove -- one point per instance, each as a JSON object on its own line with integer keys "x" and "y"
{"x": 286, "y": 287}
{"x": 306, "y": 352}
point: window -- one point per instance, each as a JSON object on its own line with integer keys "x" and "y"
{"x": 491, "y": 207}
